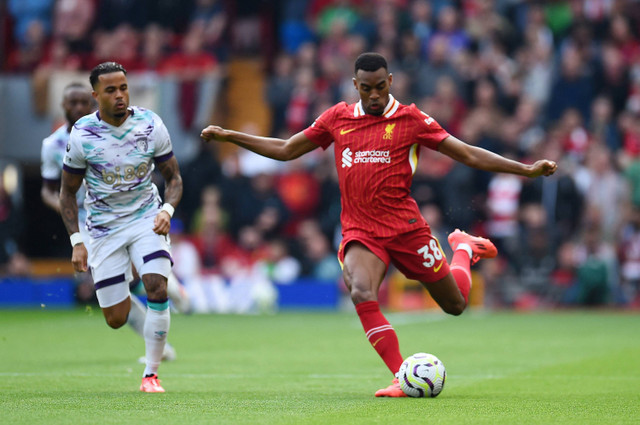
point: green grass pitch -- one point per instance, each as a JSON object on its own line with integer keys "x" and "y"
{"x": 68, "y": 367}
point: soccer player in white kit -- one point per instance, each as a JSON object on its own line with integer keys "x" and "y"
{"x": 76, "y": 103}
{"x": 115, "y": 150}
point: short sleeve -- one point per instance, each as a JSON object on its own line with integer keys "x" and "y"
{"x": 50, "y": 167}
{"x": 429, "y": 132}
{"x": 320, "y": 131}
{"x": 74, "y": 160}
{"x": 162, "y": 140}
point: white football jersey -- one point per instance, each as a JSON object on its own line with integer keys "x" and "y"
{"x": 52, "y": 156}
{"x": 117, "y": 164}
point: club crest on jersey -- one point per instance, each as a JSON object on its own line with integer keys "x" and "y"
{"x": 388, "y": 131}
{"x": 142, "y": 144}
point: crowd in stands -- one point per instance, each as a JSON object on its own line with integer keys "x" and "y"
{"x": 527, "y": 79}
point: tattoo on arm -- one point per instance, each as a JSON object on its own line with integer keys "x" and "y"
{"x": 173, "y": 180}
{"x": 68, "y": 203}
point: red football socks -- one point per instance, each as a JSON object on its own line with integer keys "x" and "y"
{"x": 461, "y": 270}
{"x": 380, "y": 334}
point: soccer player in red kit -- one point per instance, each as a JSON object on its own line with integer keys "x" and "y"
{"x": 377, "y": 142}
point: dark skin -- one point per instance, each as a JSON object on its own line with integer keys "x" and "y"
{"x": 363, "y": 271}
{"x": 76, "y": 103}
{"x": 112, "y": 95}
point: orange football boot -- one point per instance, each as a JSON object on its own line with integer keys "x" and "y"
{"x": 393, "y": 390}
{"x": 481, "y": 247}
{"x": 151, "y": 384}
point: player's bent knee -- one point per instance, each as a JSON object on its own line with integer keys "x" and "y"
{"x": 116, "y": 322}
{"x": 455, "y": 309}
{"x": 360, "y": 295}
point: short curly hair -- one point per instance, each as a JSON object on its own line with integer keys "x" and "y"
{"x": 370, "y": 62}
{"x": 104, "y": 68}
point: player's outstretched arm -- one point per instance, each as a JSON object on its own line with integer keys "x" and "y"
{"x": 271, "y": 147}
{"x": 483, "y": 159}
{"x": 69, "y": 212}
{"x": 172, "y": 193}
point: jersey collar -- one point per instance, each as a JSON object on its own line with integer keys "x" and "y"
{"x": 389, "y": 110}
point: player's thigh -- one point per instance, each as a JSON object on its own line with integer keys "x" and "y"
{"x": 418, "y": 255}
{"x": 363, "y": 271}
{"x": 150, "y": 254}
{"x": 111, "y": 271}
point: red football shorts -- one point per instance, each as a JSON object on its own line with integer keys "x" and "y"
{"x": 417, "y": 254}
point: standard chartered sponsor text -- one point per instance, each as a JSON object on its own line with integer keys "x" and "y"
{"x": 364, "y": 157}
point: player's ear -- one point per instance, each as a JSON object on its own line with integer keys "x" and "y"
{"x": 390, "y": 78}
{"x": 355, "y": 83}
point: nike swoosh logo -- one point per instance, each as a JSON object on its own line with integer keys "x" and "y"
{"x": 436, "y": 269}
{"x": 343, "y": 132}
{"x": 377, "y": 341}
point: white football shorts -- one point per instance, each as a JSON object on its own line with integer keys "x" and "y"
{"x": 110, "y": 259}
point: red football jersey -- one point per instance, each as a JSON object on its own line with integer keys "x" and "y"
{"x": 376, "y": 157}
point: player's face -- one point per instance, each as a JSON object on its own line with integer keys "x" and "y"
{"x": 373, "y": 87}
{"x": 77, "y": 103}
{"x": 112, "y": 94}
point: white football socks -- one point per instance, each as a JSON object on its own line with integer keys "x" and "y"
{"x": 465, "y": 247}
{"x": 137, "y": 315}
{"x": 156, "y": 328}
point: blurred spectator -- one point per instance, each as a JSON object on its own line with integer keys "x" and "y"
{"x": 449, "y": 32}
{"x": 212, "y": 16}
{"x": 294, "y": 29}
{"x": 278, "y": 91}
{"x": 502, "y": 210}
{"x": 629, "y": 257}
{"x": 32, "y": 26}
{"x": 605, "y": 191}
{"x": 438, "y": 65}
{"x": 155, "y": 46}
{"x": 602, "y": 125}
{"x": 421, "y": 25}
{"x": 596, "y": 273}
{"x": 535, "y": 260}
{"x": 446, "y": 105}
{"x": 573, "y": 87}
{"x": 115, "y": 13}
{"x": 613, "y": 78}
{"x": 12, "y": 261}
{"x": 72, "y": 22}
{"x": 171, "y": 15}
{"x": 30, "y": 17}
{"x": 319, "y": 260}
{"x": 189, "y": 66}
{"x": 278, "y": 265}
{"x": 558, "y": 195}
{"x": 187, "y": 266}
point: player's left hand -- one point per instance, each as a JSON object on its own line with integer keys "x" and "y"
{"x": 214, "y": 132}
{"x": 543, "y": 167}
{"x": 162, "y": 223}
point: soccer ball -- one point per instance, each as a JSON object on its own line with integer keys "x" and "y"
{"x": 422, "y": 375}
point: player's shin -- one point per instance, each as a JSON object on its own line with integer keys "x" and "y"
{"x": 156, "y": 328}
{"x": 380, "y": 334}
{"x": 461, "y": 270}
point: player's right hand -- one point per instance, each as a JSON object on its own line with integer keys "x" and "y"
{"x": 214, "y": 132}
{"x": 79, "y": 258}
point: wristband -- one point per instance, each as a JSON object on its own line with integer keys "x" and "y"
{"x": 168, "y": 208}
{"x": 75, "y": 238}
